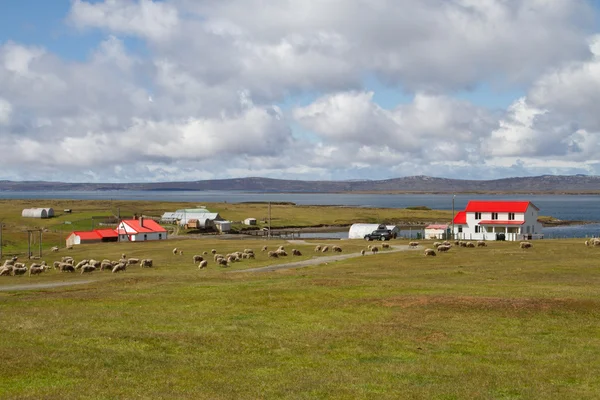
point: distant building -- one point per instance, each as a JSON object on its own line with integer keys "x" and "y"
{"x": 437, "y": 231}
{"x": 95, "y": 236}
{"x": 38, "y": 213}
{"x": 204, "y": 219}
{"x": 492, "y": 220}
{"x": 140, "y": 230}
{"x": 223, "y": 226}
{"x": 250, "y": 221}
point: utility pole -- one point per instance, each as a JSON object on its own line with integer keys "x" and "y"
{"x": 453, "y": 197}
{"x": 40, "y": 243}
{"x": 269, "y": 233}
{"x": 1, "y": 226}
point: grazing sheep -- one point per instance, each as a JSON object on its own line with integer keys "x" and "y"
{"x": 595, "y": 242}
{"x": 462, "y": 244}
{"x": 471, "y": 244}
{"x": 281, "y": 248}
{"x": 385, "y": 245}
{"x": 203, "y": 264}
{"x": 147, "y": 263}
{"x": 362, "y": 252}
{"x": 35, "y": 269}
{"x": 87, "y": 268}
{"x": 133, "y": 261}
{"x": 526, "y": 245}
{"x": 317, "y": 248}
{"x": 443, "y": 248}
{"x": 374, "y": 249}
{"x": 248, "y": 251}
{"x": 217, "y": 256}
{"x": 296, "y": 252}
{"x": 95, "y": 263}
{"x": 457, "y": 242}
{"x": 481, "y": 243}
{"x": 251, "y": 255}
{"x": 81, "y": 264}
{"x": 180, "y": 252}
{"x": 106, "y": 265}
{"x": 20, "y": 265}
{"x": 213, "y": 251}
{"x": 119, "y": 267}
{"x": 19, "y": 271}
{"x": 230, "y": 260}
{"x": 123, "y": 255}
{"x": 245, "y": 256}
{"x": 436, "y": 244}
{"x": 204, "y": 253}
{"x": 66, "y": 267}
{"x": 223, "y": 262}
{"x": 446, "y": 243}
{"x": 56, "y": 264}
{"x": 336, "y": 249}
{"x": 264, "y": 248}
{"x": 6, "y": 270}
{"x": 430, "y": 252}
{"x": 281, "y": 253}
{"x": 325, "y": 249}
{"x": 272, "y": 254}
{"x": 413, "y": 244}
{"x": 64, "y": 259}
{"x": 9, "y": 262}
{"x": 174, "y": 251}
{"x": 587, "y": 243}
{"x": 54, "y": 249}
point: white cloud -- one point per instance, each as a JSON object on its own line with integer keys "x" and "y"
{"x": 5, "y": 111}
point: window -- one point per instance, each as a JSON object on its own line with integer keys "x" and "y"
{"x": 477, "y": 229}
{"x": 145, "y": 237}
{"x": 159, "y": 236}
{"x": 460, "y": 229}
{"x": 477, "y": 215}
{"x": 511, "y": 216}
{"x": 494, "y": 215}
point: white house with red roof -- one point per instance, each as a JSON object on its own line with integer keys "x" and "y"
{"x": 139, "y": 230}
{"x": 489, "y": 220}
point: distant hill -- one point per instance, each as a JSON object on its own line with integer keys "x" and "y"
{"x": 410, "y": 184}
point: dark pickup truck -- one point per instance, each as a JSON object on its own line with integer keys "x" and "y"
{"x": 379, "y": 234}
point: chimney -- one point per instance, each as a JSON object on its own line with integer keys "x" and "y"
{"x": 141, "y": 221}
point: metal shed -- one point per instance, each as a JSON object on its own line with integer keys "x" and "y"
{"x": 37, "y": 213}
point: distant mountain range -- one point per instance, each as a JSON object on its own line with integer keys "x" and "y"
{"x": 410, "y": 184}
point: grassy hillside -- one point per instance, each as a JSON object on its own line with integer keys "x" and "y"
{"x": 485, "y": 323}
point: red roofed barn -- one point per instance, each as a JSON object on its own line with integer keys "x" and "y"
{"x": 492, "y": 220}
{"x": 139, "y": 230}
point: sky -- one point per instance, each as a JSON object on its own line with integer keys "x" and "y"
{"x": 177, "y": 90}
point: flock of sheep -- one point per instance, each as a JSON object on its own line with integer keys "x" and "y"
{"x": 12, "y": 267}
{"x": 446, "y": 246}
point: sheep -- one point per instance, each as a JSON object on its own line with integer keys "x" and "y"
{"x": 245, "y": 256}
{"x": 362, "y": 252}
{"x": 374, "y": 249}
{"x": 81, "y": 264}
{"x": 64, "y": 259}
{"x": 430, "y": 252}
{"x": 106, "y": 265}
{"x": 296, "y": 252}
{"x": 385, "y": 245}
{"x": 281, "y": 253}
{"x": 250, "y": 255}
{"x": 204, "y": 252}
{"x": 217, "y": 256}
{"x": 95, "y": 263}
{"x": 54, "y": 249}
{"x": 180, "y": 252}
{"x": 87, "y": 268}
{"x": 19, "y": 271}
{"x": 481, "y": 243}
{"x": 66, "y": 267}
{"x": 123, "y": 255}
{"x": 587, "y": 243}
{"x": 203, "y": 264}
{"x": 197, "y": 258}
{"x": 595, "y": 241}
{"x": 336, "y": 249}
{"x": 281, "y": 248}
{"x": 413, "y": 244}
{"x": 248, "y": 251}
{"x": 35, "y": 269}
{"x": 56, "y": 264}
{"x": 272, "y": 254}
{"x": 325, "y": 249}
{"x": 471, "y": 244}
{"x": 446, "y": 243}
{"x": 462, "y": 244}
{"x": 264, "y": 248}
{"x": 9, "y": 262}
{"x": 147, "y": 263}
{"x": 317, "y": 248}
{"x": 20, "y": 265}
{"x": 119, "y": 267}
{"x": 223, "y": 262}
{"x": 442, "y": 248}
{"x": 133, "y": 261}
{"x": 526, "y": 245}
{"x": 213, "y": 251}
{"x": 174, "y": 251}
{"x": 457, "y": 242}
{"x": 436, "y": 244}
{"x": 6, "y": 270}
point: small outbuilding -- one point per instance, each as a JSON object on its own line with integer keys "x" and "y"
{"x": 223, "y": 226}
{"x": 250, "y": 221}
{"x": 37, "y": 213}
{"x": 437, "y": 231}
{"x": 358, "y": 231}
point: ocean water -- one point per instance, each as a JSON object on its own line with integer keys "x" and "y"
{"x": 564, "y": 207}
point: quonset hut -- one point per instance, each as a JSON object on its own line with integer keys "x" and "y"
{"x": 38, "y": 213}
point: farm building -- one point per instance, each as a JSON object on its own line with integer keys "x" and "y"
{"x": 204, "y": 218}
{"x": 140, "y": 230}
{"x": 38, "y": 213}
{"x": 358, "y": 231}
{"x": 437, "y": 231}
{"x": 95, "y": 236}
{"x": 250, "y": 221}
{"x": 223, "y": 226}
{"x": 493, "y": 220}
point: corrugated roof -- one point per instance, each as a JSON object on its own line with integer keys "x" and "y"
{"x": 87, "y": 235}
{"x": 498, "y": 206}
{"x": 106, "y": 233}
{"x": 436, "y": 226}
{"x": 148, "y": 227}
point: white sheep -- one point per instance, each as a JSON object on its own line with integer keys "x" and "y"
{"x": 81, "y": 263}
{"x": 133, "y": 261}
{"x": 66, "y": 267}
{"x": 174, "y": 251}
{"x": 264, "y": 248}
{"x": 325, "y": 249}
{"x": 429, "y": 252}
{"x": 203, "y": 264}
{"x": 213, "y": 251}
{"x": 296, "y": 252}
{"x": 481, "y": 243}
{"x": 362, "y": 252}
{"x": 413, "y": 244}
{"x": 119, "y": 267}
{"x": 54, "y": 249}
{"x": 272, "y": 254}
{"x": 87, "y": 268}
{"x": 19, "y": 270}
{"x": 443, "y": 248}
{"x": 35, "y": 269}
{"x": 336, "y": 249}
{"x": 317, "y": 248}
{"x": 526, "y": 245}
{"x": 146, "y": 263}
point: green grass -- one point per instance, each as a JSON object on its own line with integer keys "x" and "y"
{"x": 485, "y": 323}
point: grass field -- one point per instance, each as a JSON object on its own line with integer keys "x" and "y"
{"x": 485, "y": 323}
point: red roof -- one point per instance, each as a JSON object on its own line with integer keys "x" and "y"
{"x": 106, "y": 233}
{"x": 461, "y": 218}
{"x": 149, "y": 226}
{"x": 438, "y": 226}
{"x": 498, "y": 222}
{"x": 498, "y": 206}
{"x": 87, "y": 235}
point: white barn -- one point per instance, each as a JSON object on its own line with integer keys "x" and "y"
{"x": 358, "y": 231}
{"x": 492, "y": 220}
{"x": 140, "y": 230}
{"x": 182, "y": 217}
{"x": 436, "y": 231}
